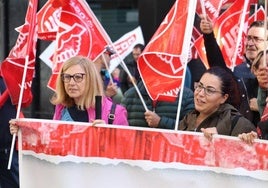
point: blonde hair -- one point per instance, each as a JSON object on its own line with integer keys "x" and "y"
{"x": 93, "y": 86}
{"x": 256, "y": 62}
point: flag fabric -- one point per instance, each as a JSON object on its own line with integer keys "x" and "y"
{"x": 258, "y": 15}
{"x": 226, "y": 29}
{"x": 193, "y": 52}
{"x": 163, "y": 60}
{"x": 48, "y": 21}
{"x": 79, "y": 33}
{"x": 86, "y": 154}
{"x": 124, "y": 46}
{"x": 212, "y": 8}
{"x": 13, "y": 66}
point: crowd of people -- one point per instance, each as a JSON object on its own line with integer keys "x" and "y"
{"x": 219, "y": 101}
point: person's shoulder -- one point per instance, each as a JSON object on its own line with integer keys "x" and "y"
{"x": 244, "y": 66}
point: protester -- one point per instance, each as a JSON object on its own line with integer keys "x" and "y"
{"x": 132, "y": 66}
{"x": 255, "y": 41}
{"x": 9, "y": 178}
{"x": 77, "y": 86}
{"x": 116, "y": 79}
{"x": 160, "y": 114}
{"x": 214, "y": 113}
{"x": 102, "y": 64}
{"x": 260, "y": 69}
{"x": 75, "y": 98}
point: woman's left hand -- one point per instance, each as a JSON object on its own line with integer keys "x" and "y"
{"x": 248, "y": 137}
{"x": 208, "y": 132}
{"x": 98, "y": 121}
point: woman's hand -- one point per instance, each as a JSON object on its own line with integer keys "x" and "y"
{"x": 13, "y": 127}
{"x": 98, "y": 121}
{"x": 206, "y": 25}
{"x": 208, "y": 132}
{"x": 248, "y": 137}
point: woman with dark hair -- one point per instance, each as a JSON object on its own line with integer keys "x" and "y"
{"x": 215, "y": 96}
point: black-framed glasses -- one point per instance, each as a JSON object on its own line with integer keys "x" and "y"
{"x": 254, "y": 39}
{"x": 208, "y": 90}
{"x": 78, "y": 77}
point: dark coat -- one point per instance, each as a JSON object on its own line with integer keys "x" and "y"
{"x": 166, "y": 110}
{"x": 222, "y": 119}
{"x": 7, "y": 112}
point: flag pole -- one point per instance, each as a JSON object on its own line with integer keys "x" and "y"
{"x": 240, "y": 31}
{"x": 203, "y": 9}
{"x": 121, "y": 60}
{"x": 185, "y": 53}
{"x": 18, "y": 108}
{"x": 107, "y": 68}
{"x": 34, "y": 4}
{"x": 265, "y": 33}
{"x": 131, "y": 78}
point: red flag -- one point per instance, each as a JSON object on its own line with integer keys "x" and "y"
{"x": 195, "y": 35}
{"x": 258, "y": 15}
{"x": 79, "y": 33}
{"x": 48, "y": 21}
{"x": 13, "y": 66}
{"x": 212, "y": 8}
{"x": 226, "y": 30}
{"x": 161, "y": 64}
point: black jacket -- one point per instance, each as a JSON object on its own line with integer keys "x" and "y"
{"x": 7, "y": 112}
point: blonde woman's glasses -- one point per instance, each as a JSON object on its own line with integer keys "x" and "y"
{"x": 78, "y": 77}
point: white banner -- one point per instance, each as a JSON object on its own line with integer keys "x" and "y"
{"x": 60, "y": 154}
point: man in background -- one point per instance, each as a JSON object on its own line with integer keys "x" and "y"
{"x": 125, "y": 80}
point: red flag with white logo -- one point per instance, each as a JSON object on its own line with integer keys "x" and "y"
{"x": 226, "y": 30}
{"x": 212, "y": 8}
{"x": 13, "y": 66}
{"x": 48, "y": 21}
{"x": 79, "y": 33}
{"x": 162, "y": 62}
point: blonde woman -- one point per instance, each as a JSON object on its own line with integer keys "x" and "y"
{"x": 77, "y": 85}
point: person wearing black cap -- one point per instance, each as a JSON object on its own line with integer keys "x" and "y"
{"x": 102, "y": 64}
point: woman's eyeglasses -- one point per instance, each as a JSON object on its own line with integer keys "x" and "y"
{"x": 208, "y": 90}
{"x": 78, "y": 77}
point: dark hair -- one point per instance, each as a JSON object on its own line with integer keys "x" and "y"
{"x": 257, "y": 23}
{"x": 140, "y": 46}
{"x": 229, "y": 84}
